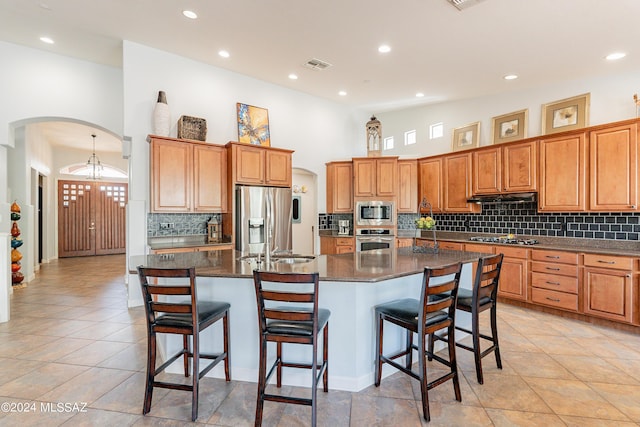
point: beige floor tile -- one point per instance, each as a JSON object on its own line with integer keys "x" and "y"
{"x": 13, "y": 345}
{"x": 447, "y": 415}
{"x": 41, "y": 380}
{"x": 557, "y": 345}
{"x": 239, "y": 408}
{"x": 629, "y": 367}
{"x": 132, "y": 358}
{"x": 99, "y": 418}
{"x": 594, "y": 422}
{"x": 575, "y": 398}
{"x": 97, "y": 331}
{"x": 536, "y": 365}
{"x": 505, "y": 418}
{"x": 603, "y": 347}
{"x": 94, "y": 353}
{"x": 508, "y": 392}
{"x": 369, "y": 411}
{"x": 593, "y": 369}
{"x": 624, "y": 397}
{"x": 54, "y": 350}
{"x": 130, "y": 333}
{"x": 128, "y": 396}
{"x": 87, "y": 387}
{"x": 333, "y": 409}
{"x": 11, "y": 369}
{"x": 36, "y": 416}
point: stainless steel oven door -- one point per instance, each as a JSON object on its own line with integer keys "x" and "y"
{"x": 375, "y": 213}
{"x": 367, "y": 243}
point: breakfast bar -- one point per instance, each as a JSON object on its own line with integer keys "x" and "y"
{"x": 351, "y": 285}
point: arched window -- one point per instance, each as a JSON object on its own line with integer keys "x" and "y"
{"x": 83, "y": 170}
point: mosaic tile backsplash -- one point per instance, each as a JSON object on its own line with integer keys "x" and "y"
{"x": 178, "y": 224}
{"x": 523, "y": 219}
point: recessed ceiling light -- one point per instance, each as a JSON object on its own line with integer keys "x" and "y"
{"x": 47, "y": 40}
{"x": 293, "y": 76}
{"x": 44, "y": 6}
{"x": 510, "y": 77}
{"x": 615, "y": 55}
{"x": 419, "y": 95}
{"x": 190, "y": 14}
{"x": 223, "y": 53}
{"x": 384, "y": 48}
{"x": 342, "y": 93}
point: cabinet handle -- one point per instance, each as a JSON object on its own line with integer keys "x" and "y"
{"x": 553, "y": 256}
{"x": 553, "y": 283}
{"x": 632, "y": 206}
{"x": 553, "y": 269}
{"x": 606, "y": 262}
{"x": 553, "y": 299}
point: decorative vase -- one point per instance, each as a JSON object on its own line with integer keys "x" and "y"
{"x": 15, "y": 230}
{"x": 161, "y": 116}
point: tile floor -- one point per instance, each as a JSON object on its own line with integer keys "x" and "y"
{"x": 72, "y": 340}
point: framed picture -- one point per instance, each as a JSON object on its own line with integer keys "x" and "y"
{"x": 566, "y": 114}
{"x": 466, "y": 137}
{"x": 253, "y": 125}
{"x": 509, "y": 127}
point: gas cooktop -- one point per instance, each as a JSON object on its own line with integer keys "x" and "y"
{"x": 505, "y": 240}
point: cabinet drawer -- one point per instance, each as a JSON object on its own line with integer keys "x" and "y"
{"x": 608, "y": 261}
{"x": 512, "y": 252}
{"x": 555, "y": 299}
{"x": 552, "y": 268}
{"x": 474, "y": 247}
{"x": 555, "y": 256}
{"x": 345, "y": 241}
{"x": 554, "y": 282}
{"x": 344, "y": 249}
{"x": 452, "y": 246}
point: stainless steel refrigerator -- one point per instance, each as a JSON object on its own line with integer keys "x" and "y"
{"x": 260, "y": 210}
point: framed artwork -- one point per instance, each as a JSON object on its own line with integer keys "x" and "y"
{"x": 253, "y": 125}
{"x": 566, "y": 114}
{"x": 509, "y": 127}
{"x": 466, "y": 137}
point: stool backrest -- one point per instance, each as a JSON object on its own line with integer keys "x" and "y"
{"x": 487, "y": 277}
{"x": 155, "y": 307}
{"x": 447, "y": 288}
{"x": 283, "y": 296}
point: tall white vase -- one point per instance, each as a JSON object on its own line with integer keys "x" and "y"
{"x": 161, "y": 116}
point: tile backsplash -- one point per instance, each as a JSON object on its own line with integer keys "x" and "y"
{"x": 523, "y": 219}
{"x": 181, "y": 224}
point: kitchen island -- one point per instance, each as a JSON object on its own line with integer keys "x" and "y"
{"x": 351, "y": 285}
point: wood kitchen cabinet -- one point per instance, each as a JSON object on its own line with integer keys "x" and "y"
{"x": 505, "y": 169}
{"x": 187, "y": 176}
{"x": 337, "y": 245}
{"x": 608, "y": 287}
{"x": 514, "y": 273}
{"x": 375, "y": 176}
{"x": 563, "y": 175}
{"x": 408, "y": 186}
{"x": 457, "y": 183}
{"x": 340, "y": 187}
{"x": 255, "y": 165}
{"x": 555, "y": 279}
{"x": 613, "y": 177}
{"x": 487, "y": 170}
{"x": 430, "y": 185}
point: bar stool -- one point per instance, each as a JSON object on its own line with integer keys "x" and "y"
{"x": 295, "y": 318}
{"x": 185, "y": 317}
{"x": 482, "y": 297}
{"x": 424, "y": 317}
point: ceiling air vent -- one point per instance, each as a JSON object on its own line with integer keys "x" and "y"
{"x": 317, "y": 64}
{"x": 463, "y": 4}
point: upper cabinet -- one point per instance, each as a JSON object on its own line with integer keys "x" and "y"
{"x": 457, "y": 183}
{"x": 430, "y": 184}
{"x": 187, "y": 176}
{"x": 563, "y": 175}
{"x": 375, "y": 176}
{"x": 613, "y": 180}
{"x": 408, "y": 186}
{"x": 255, "y": 165}
{"x": 340, "y": 187}
{"x": 505, "y": 169}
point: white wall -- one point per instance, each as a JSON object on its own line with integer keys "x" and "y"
{"x": 611, "y": 100}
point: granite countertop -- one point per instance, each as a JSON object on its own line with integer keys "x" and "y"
{"x": 366, "y": 266}
{"x": 333, "y": 233}
{"x": 181, "y": 241}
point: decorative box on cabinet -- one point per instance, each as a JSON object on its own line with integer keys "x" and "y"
{"x": 187, "y": 176}
{"x": 375, "y": 177}
{"x": 340, "y": 187}
{"x": 608, "y": 287}
{"x": 554, "y": 279}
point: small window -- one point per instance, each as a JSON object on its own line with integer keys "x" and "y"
{"x": 410, "y": 137}
{"x": 388, "y": 143}
{"x": 436, "y": 130}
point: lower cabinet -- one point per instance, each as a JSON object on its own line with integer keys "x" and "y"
{"x": 608, "y": 287}
{"x": 191, "y": 249}
{"x": 404, "y": 242}
{"x": 514, "y": 273}
{"x": 555, "y": 280}
{"x": 330, "y": 245}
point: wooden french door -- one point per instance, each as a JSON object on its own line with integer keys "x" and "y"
{"x": 91, "y": 218}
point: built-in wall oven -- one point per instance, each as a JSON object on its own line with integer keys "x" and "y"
{"x": 375, "y": 213}
{"x": 374, "y": 238}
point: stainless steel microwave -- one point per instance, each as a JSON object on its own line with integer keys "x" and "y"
{"x": 380, "y": 213}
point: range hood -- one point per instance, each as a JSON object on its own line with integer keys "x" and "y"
{"x": 503, "y": 198}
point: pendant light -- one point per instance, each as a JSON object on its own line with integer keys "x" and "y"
{"x": 94, "y": 167}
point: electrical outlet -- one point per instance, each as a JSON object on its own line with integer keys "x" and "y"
{"x": 166, "y": 225}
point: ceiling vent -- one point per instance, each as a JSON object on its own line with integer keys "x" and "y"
{"x": 463, "y": 4}
{"x": 317, "y": 64}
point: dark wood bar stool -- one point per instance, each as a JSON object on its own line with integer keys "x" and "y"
{"x": 183, "y": 316}
{"x": 288, "y": 313}
{"x": 482, "y": 297}
{"x": 424, "y": 317}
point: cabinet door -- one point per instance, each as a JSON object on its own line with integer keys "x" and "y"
{"x": 364, "y": 177}
{"x": 562, "y": 174}
{"x": 457, "y": 183}
{"x": 408, "y": 191}
{"x": 608, "y": 294}
{"x": 386, "y": 177}
{"x": 614, "y": 169}
{"x": 339, "y": 187}
{"x": 487, "y": 171}
{"x": 520, "y": 166}
{"x": 171, "y": 169}
{"x": 430, "y": 183}
{"x": 327, "y": 245}
{"x": 209, "y": 179}
{"x": 278, "y": 168}
{"x": 403, "y": 242}
{"x": 513, "y": 278}
{"x": 249, "y": 165}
